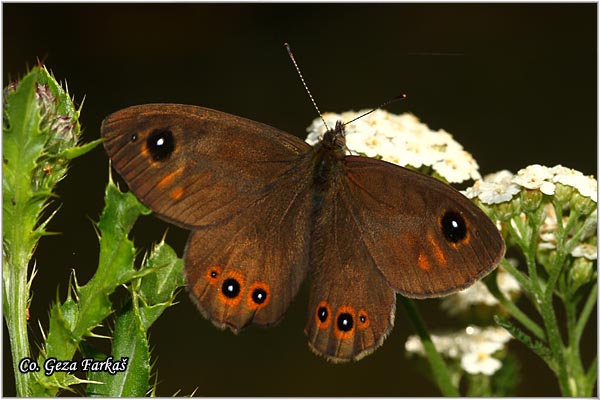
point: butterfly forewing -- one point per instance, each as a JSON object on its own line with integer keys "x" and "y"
{"x": 196, "y": 166}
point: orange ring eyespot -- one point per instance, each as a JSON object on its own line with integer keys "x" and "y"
{"x": 323, "y": 315}
{"x": 231, "y": 288}
{"x": 363, "y": 319}
{"x": 259, "y": 294}
{"x": 213, "y": 274}
{"x": 344, "y": 322}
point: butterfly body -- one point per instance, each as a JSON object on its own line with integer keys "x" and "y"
{"x": 265, "y": 209}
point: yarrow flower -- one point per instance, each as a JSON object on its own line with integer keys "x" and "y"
{"x": 502, "y": 186}
{"x": 403, "y": 140}
{"x": 474, "y": 347}
{"x": 494, "y": 188}
{"x": 585, "y": 250}
{"x": 536, "y": 177}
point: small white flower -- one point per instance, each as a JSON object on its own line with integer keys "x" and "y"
{"x": 494, "y": 188}
{"x": 403, "y": 140}
{"x": 454, "y": 167}
{"x": 473, "y": 346}
{"x": 536, "y": 177}
{"x": 502, "y": 186}
{"x": 482, "y": 343}
{"x": 586, "y": 250}
{"x": 587, "y": 186}
{"x": 503, "y": 176}
{"x": 480, "y": 363}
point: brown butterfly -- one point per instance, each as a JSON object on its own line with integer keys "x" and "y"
{"x": 265, "y": 208}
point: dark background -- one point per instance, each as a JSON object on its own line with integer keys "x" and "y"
{"x": 514, "y": 83}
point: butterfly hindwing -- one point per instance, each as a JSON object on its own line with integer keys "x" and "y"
{"x": 249, "y": 269}
{"x": 351, "y": 307}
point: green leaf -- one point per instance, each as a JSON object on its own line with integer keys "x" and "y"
{"x": 74, "y": 320}
{"x": 130, "y": 350}
{"x": 154, "y": 291}
{"x": 78, "y": 151}
{"x": 535, "y": 345}
{"x": 116, "y": 258}
{"x": 157, "y": 289}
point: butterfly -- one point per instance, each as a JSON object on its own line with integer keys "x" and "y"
{"x": 265, "y": 210}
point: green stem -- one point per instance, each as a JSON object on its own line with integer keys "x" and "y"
{"x": 575, "y": 366}
{"x": 591, "y": 377}
{"x": 555, "y": 343}
{"x": 512, "y": 308}
{"x": 549, "y": 315}
{"x": 585, "y": 313}
{"x": 575, "y": 329}
{"x": 438, "y": 366}
{"x": 530, "y": 250}
{"x": 570, "y": 243}
{"x": 519, "y": 276}
{"x": 16, "y": 296}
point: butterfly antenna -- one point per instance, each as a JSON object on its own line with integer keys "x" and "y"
{"x": 385, "y": 103}
{"x": 289, "y": 50}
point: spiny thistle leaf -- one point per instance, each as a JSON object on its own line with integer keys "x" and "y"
{"x": 72, "y": 321}
{"x": 152, "y": 293}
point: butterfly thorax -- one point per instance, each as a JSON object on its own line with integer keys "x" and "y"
{"x": 328, "y": 156}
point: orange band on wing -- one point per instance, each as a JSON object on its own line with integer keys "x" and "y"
{"x": 423, "y": 262}
{"x": 438, "y": 254}
{"x": 176, "y": 193}
{"x": 168, "y": 180}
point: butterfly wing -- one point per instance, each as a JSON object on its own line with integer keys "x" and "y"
{"x": 195, "y": 166}
{"x": 351, "y": 308}
{"x": 249, "y": 269}
{"x": 241, "y": 186}
{"x": 425, "y": 237}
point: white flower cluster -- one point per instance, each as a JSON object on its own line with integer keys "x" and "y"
{"x": 474, "y": 347}
{"x": 503, "y": 185}
{"x": 403, "y": 140}
{"x": 478, "y": 293}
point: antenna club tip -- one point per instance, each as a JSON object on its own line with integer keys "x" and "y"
{"x": 403, "y": 95}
